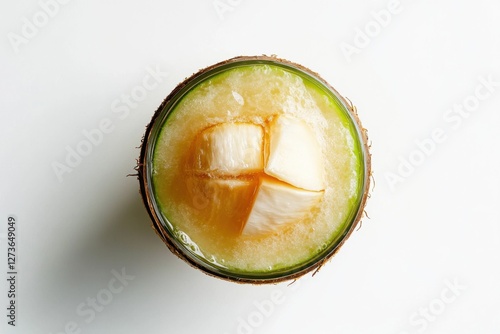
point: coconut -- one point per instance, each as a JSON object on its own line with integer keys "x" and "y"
{"x": 180, "y": 243}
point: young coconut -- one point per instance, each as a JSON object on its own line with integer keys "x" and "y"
{"x": 255, "y": 170}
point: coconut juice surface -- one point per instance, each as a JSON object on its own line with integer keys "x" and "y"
{"x": 209, "y": 204}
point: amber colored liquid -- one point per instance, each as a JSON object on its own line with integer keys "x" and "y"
{"x": 211, "y": 214}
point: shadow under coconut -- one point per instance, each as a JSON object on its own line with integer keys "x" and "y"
{"x": 161, "y": 289}
{"x": 124, "y": 241}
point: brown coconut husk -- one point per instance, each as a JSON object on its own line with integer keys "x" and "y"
{"x": 162, "y": 233}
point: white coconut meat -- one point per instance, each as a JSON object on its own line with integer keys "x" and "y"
{"x": 294, "y": 155}
{"x": 286, "y": 158}
{"x": 229, "y": 149}
{"x": 277, "y": 204}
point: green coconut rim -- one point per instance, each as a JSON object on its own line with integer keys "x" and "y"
{"x": 217, "y": 74}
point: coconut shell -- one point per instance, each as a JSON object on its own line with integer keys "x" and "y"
{"x": 156, "y": 222}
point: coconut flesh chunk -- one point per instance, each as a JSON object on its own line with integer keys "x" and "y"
{"x": 229, "y": 149}
{"x": 277, "y": 204}
{"x": 227, "y": 201}
{"x": 294, "y": 155}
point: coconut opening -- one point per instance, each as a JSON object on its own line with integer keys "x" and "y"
{"x": 172, "y": 240}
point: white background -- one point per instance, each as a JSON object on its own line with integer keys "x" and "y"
{"x": 426, "y": 262}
